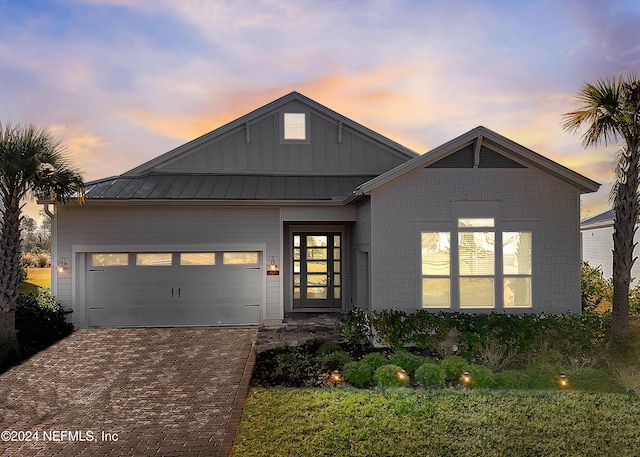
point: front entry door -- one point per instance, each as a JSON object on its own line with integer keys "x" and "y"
{"x": 317, "y": 270}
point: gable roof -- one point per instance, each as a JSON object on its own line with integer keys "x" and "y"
{"x": 603, "y": 219}
{"x": 255, "y": 115}
{"x": 480, "y": 136}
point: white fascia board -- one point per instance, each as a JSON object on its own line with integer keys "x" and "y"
{"x": 510, "y": 148}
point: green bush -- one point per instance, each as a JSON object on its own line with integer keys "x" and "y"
{"x": 595, "y": 289}
{"x": 481, "y": 376}
{"x": 328, "y": 347}
{"x": 543, "y": 375}
{"x": 388, "y": 376}
{"x": 406, "y": 360}
{"x": 590, "y": 379}
{"x": 512, "y": 379}
{"x": 336, "y": 360}
{"x": 286, "y": 366}
{"x": 40, "y": 322}
{"x": 375, "y": 359}
{"x": 454, "y": 366}
{"x": 430, "y": 374}
{"x": 358, "y": 374}
{"x": 356, "y": 327}
{"x": 392, "y": 327}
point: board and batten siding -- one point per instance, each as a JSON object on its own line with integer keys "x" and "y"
{"x": 264, "y": 153}
{"x": 157, "y": 226}
{"x": 527, "y": 198}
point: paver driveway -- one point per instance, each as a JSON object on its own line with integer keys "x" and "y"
{"x": 129, "y": 392}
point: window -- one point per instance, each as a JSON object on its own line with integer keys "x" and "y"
{"x": 294, "y": 127}
{"x": 476, "y": 263}
{"x": 198, "y": 258}
{"x": 516, "y": 267}
{"x": 476, "y": 266}
{"x": 154, "y": 259}
{"x": 240, "y": 258}
{"x": 110, "y": 260}
{"x": 436, "y": 267}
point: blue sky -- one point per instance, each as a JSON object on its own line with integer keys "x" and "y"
{"x": 120, "y": 82}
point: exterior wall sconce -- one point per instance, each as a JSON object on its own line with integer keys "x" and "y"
{"x": 272, "y": 268}
{"x": 62, "y": 265}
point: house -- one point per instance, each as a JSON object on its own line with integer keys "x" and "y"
{"x": 294, "y": 207}
{"x": 596, "y": 238}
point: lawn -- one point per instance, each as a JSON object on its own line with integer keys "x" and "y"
{"x": 448, "y": 422}
{"x": 36, "y": 277}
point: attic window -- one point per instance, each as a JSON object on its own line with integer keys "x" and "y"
{"x": 295, "y": 127}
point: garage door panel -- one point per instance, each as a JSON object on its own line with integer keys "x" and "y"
{"x": 168, "y": 295}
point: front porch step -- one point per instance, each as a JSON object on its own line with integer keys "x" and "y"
{"x": 298, "y": 328}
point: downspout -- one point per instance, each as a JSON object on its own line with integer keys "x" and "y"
{"x": 54, "y": 252}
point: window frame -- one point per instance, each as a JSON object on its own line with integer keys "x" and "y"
{"x": 307, "y": 127}
{"x": 500, "y": 227}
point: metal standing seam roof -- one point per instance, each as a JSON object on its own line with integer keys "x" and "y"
{"x": 224, "y": 187}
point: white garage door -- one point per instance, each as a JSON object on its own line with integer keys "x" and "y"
{"x": 174, "y": 288}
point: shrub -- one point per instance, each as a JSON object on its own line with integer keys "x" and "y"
{"x": 336, "y": 360}
{"x": 406, "y": 360}
{"x": 430, "y": 374}
{"x": 358, "y": 374}
{"x": 388, "y": 376}
{"x": 328, "y": 347}
{"x": 481, "y": 376}
{"x": 595, "y": 289}
{"x": 590, "y": 379}
{"x": 356, "y": 327}
{"x": 454, "y": 366}
{"x": 628, "y": 377}
{"x": 512, "y": 379}
{"x": 495, "y": 354}
{"x": 375, "y": 359}
{"x": 286, "y": 366}
{"x": 392, "y": 327}
{"x": 543, "y": 375}
{"x": 40, "y": 321}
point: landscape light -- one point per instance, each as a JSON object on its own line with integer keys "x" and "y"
{"x": 336, "y": 377}
{"x": 466, "y": 377}
{"x": 564, "y": 381}
{"x": 402, "y": 375}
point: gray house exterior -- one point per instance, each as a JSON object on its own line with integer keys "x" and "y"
{"x": 296, "y": 208}
{"x": 596, "y": 236}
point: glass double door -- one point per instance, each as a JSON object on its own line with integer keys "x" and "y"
{"x": 317, "y": 270}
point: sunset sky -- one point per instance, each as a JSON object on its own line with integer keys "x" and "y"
{"x": 121, "y": 82}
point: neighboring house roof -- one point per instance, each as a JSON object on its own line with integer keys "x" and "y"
{"x": 480, "y": 137}
{"x": 256, "y": 115}
{"x": 604, "y": 219}
{"x": 224, "y": 187}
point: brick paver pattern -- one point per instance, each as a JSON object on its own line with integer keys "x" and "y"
{"x": 159, "y": 391}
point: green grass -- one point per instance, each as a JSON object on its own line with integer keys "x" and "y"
{"x": 401, "y": 422}
{"x": 36, "y": 277}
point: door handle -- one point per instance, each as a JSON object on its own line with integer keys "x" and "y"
{"x": 172, "y": 292}
{"x": 329, "y": 279}
{"x": 179, "y": 292}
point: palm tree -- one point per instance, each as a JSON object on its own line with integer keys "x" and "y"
{"x": 32, "y": 164}
{"x": 610, "y": 110}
